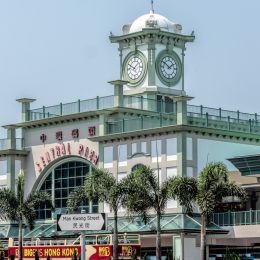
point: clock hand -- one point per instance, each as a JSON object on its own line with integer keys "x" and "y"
{"x": 171, "y": 66}
{"x": 131, "y": 66}
{"x": 166, "y": 64}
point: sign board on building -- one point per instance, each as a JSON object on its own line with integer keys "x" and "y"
{"x": 80, "y": 222}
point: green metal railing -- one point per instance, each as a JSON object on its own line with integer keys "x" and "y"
{"x": 196, "y": 115}
{"x": 251, "y": 217}
{"x": 140, "y": 123}
{"x": 134, "y": 102}
{"x": 5, "y": 144}
{"x": 71, "y": 108}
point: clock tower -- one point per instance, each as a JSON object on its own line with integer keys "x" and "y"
{"x": 152, "y": 51}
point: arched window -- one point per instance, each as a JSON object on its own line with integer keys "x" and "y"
{"x": 60, "y": 182}
{"x": 137, "y": 166}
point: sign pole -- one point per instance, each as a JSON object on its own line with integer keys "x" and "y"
{"x": 83, "y": 241}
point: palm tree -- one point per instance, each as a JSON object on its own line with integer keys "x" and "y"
{"x": 145, "y": 194}
{"x": 207, "y": 192}
{"x": 103, "y": 186}
{"x": 15, "y": 207}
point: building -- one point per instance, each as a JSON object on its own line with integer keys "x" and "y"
{"x": 148, "y": 120}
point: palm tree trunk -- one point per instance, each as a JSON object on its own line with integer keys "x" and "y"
{"x": 20, "y": 250}
{"x": 203, "y": 238}
{"x": 115, "y": 237}
{"x": 158, "y": 238}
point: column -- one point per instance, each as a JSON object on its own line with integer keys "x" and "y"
{"x": 118, "y": 92}
{"x": 25, "y": 107}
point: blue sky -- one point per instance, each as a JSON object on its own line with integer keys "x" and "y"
{"x": 58, "y": 50}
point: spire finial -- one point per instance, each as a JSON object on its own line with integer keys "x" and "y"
{"x": 152, "y": 9}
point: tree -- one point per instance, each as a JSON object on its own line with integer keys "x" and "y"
{"x": 15, "y": 207}
{"x": 104, "y": 186}
{"x": 144, "y": 193}
{"x": 207, "y": 192}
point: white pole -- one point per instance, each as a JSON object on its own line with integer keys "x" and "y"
{"x": 83, "y": 241}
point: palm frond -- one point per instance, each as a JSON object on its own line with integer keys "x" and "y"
{"x": 39, "y": 199}
{"x": 212, "y": 175}
{"x": 100, "y": 184}
{"x": 76, "y": 197}
{"x": 184, "y": 189}
{"x": 230, "y": 189}
{"x": 9, "y": 204}
{"x": 28, "y": 212}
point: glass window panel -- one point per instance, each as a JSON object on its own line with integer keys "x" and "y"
{"x": 79, "y": 171}
{"x": 171, "y": 172}
{"x": 58, "y": 203}
{"x": 143, "y": 147}
{"x": 65, "y": 173}
{"x": 65, "y": 166}
{"x": 122, "y": 155}
{"x": 48, "y": 184}
{"x": 72, "y": 164}
{"x": 156, "y": 150}
{"x": 171, "y": 149}
{"x": 64, "y": 203}
{"x": 79, "y": 181}
{"x": 64, "y": 183}
{"x": 71, "y": 172}
{"x": 57, "y": 193}
{"x": 57, "y": 174}
{"x": 64, "y": 193}
{"x": 48, "y": 214}
{"x": 95, "y": 209}
{"x": 134, "y": 148}
{"x": 42, "y": 214}
{"x": 72, "y": 182}
{"x": 57, "y": 184}
{"x": 189, "y": 148}
{"x": 108, "y": 157}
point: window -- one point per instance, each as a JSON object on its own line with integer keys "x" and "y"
{"x": 169, "y": 105}
{"x": 189, "y": 172}
{"x": 143, "y": 147}
{"x": 108, "y": 157}
{"x": 60, "y": 182}
{"x": 172, "y": 204}
{"x": 171, "y": 149}
{"x": 189, "y": 148}
{"x": 156, "y": 150}
{"x": 134, "y": 148}
{"x": 158, "y": 173}
{"x": 122, "y": 155}
{"x": 137, "y": 166}
{"x": 171, "y": 172}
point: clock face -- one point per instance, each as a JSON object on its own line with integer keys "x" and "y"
{"x": 168, "y": 67}
{"x": 134, "y": 68}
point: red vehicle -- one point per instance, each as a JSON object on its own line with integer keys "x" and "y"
{"x": 97, "y": 247}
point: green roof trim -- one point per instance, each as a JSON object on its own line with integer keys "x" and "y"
{"x": 247, "y": 165}
{"x": 170, "y": 223}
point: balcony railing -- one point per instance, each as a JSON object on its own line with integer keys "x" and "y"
{"x": 135, "y": 102}
{"x": 197, "y": 115}
{"x": 251, "y": 217}
{"x": 5, "y": 144}
{"x": 140, "y": 123}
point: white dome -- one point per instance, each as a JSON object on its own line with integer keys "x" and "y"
{"x": 153, "y": 20}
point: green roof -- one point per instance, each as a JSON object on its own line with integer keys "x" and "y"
{"x": 170, "y": 223}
